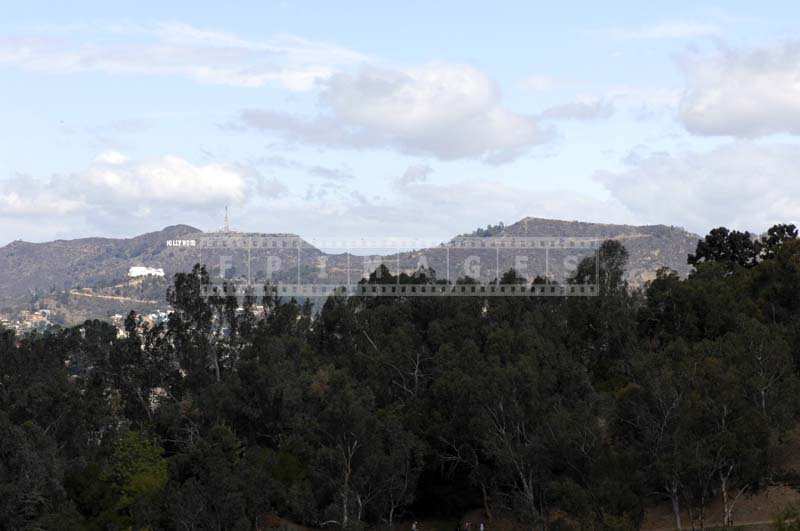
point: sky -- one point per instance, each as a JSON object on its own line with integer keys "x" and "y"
{"x": 395, "y": 119}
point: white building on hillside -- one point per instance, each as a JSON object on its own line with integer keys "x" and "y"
{"x": 142, "y": 271}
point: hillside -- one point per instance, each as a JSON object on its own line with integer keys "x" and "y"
{"x": 650, "y": 247}
{"x": 34, "y": 270}
{"x": 86, "y": 262}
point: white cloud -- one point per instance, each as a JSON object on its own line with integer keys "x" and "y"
{"x": 167, "y": 179}
{"x": 333, "y": 174}
{"x": 741, "y": 185}
{"x": 444, "y": 110}
{"x": 181, "y": 50}
{"x": 538, "y": 83}
{"x": 592, "y": 109}
{"x": 414, "y": 174}
{"x": 343, "y": 173}
{"x": 743, "y": 93}
{"x": 41, "y": 203}
{"x": 111, "y": 157}
{"x": 114, "y": 187}
{"x": 645, "y": 97}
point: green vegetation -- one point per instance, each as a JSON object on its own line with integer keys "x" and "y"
{"x": 553, "y": 412}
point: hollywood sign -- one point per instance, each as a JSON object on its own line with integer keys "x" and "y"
{"x": 181, "y": 243}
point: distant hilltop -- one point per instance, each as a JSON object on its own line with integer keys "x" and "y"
{"x": 650, "y": 247}
{"x": 86, "y": 262}
{"x": 30, "y": 268}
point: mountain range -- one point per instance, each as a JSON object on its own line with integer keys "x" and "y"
{"x": 31, "y": 269}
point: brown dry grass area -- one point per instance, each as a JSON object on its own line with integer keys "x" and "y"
{"x": 788, "y": 455}
{"x": 761, "y": 507}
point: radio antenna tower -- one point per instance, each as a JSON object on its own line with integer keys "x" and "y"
{"x": 227, "y": 226}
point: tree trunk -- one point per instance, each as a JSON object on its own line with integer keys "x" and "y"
{"x": 676, "y": 506}
{"x": 728, "y": 502}
{"x": 486, "y": 508}
{"x": 344, "y": 508}
{"x": 345, "y": 496}
{"x": 726, "y": 505}
{"x": 216, "y": 366}
{"x": 348, "y": 451}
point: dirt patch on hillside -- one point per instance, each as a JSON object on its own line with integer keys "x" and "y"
{"x": 760, "y": 507}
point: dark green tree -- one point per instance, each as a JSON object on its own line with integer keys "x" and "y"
{"x": 729, "y": 247}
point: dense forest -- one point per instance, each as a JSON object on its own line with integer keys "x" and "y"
{"x": 554, "y": 412}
